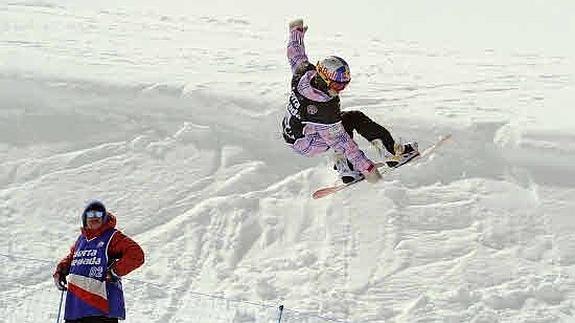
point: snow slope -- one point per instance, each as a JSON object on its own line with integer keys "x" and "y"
{"x": 170, "y": 112}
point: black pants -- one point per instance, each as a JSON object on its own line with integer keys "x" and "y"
{"x": 367, "y": 128}
{"x": 94, "y": 319}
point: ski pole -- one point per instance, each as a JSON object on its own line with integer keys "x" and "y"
{"x": 60, "y": 306}
{"x": 281, "y": 311}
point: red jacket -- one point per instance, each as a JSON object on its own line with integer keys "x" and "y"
{"x": 129, "y": 254}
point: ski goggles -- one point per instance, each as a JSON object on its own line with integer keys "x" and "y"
{"x": 337, "y": 86}
{"x": 94, "y": 214}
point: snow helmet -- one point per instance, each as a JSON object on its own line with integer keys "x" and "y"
{"x": 98, "y": 210}
{"x": 335, "y": 72}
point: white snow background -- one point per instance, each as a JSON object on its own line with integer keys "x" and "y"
{"x": 169, "y": 112}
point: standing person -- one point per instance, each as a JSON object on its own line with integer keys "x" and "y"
{"x": 92, "y": 271}
{"x": 314, "y": 122}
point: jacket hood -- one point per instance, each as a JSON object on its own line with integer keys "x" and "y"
{"x": 318, "y": 83}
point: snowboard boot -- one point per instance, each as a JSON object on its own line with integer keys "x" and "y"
{"x": 402, "y": 154}
{"x": 345, "y": 169}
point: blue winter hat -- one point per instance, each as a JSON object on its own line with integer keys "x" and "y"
{"x": 94, "y": 208}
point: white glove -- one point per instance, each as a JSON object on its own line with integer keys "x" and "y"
{"x": 373, "y": 176}
{"x": 297, "y": 24}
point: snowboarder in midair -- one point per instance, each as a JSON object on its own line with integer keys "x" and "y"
{"x": 314, "y": 122}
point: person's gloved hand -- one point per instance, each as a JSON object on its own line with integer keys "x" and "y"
{"x": 373, "y": 176}
{"x": 111, "y": 276}
{"x": 60, "y": 280}
{"x": 297, "y": 24}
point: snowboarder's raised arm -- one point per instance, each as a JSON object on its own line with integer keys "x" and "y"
{"x": 295, "y": 48}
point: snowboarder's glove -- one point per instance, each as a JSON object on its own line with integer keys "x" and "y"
{"x": 373, "y": 175}
{"x": 297, "y": 24}
{"x": 60, "y": 280}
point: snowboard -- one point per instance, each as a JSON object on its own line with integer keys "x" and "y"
{"x": 383, "y": 169}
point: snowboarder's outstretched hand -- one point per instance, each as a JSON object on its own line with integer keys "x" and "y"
{"x": 373, "y": 176}
{"x": 297, "y": 24}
